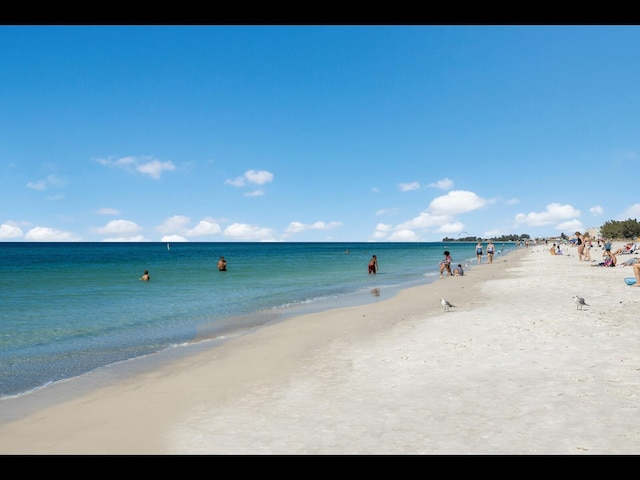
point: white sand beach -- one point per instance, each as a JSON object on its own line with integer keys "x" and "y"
{"x": 514, "y": 368}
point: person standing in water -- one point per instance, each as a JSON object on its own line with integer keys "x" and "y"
{"x": 222, "y": 264}
{"x": 373, "y": 265}
{"x": 145, "y": 276}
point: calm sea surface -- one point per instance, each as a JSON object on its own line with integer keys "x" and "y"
{"x": 70, "y": 308}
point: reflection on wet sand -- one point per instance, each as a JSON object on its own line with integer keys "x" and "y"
{"x": 375, "y": 292}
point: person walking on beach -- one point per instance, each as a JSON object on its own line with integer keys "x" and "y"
{"x": 446, "y": 264}
{"x": 222, "y": 264}
{"x": 479, "y": 251}
{"x": 373, "y": 265}
{"x": 145, "y": 276}
{"x": 490, "y": 251}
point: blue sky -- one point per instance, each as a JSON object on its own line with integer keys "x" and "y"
{"x": 316, "y": 133}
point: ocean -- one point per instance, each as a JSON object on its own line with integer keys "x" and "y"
{"x": 68, "y": 309}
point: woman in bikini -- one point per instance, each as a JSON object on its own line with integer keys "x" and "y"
{"x": 580, "y": 244}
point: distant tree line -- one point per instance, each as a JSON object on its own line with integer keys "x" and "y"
{"x": 618, "y": 229}
{"x": 622, "y": 229}
{"x": 501, "y": 238}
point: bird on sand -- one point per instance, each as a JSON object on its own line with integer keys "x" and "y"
{"x": 446, "y": 305}
{"x": 579, "y": 301}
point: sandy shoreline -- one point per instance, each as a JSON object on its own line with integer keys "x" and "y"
{"x": 515, "y": 368}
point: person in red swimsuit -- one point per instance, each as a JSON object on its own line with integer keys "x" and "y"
{"x": 373, "y": 265}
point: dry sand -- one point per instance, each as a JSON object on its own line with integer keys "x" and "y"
{"x": 514, "y": 368}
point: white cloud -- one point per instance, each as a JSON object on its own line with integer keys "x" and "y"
{"x": 123, "y": 162}
{"x": 423, "y": 221}
{"x": 444, "y": 184}
{"x": 296, "y": 227}
{"x": 439, "y": 215}
{"x": 46, "y": 234}
{"x": 177, "y": 226}
{"x": 597, "y": 210}
{"x": 256, "y": 177}
{"x": 382, "y": 231}
{"x": 118, "y": 227}
{"x": 146, "y": 165}
{"x": 243, "y": 231}
{"x": 9, "y": 231}
{"x": 176, "y": 223}
{"x": 454, "y": 227}
{"x": 456, "y": 202}
{"x": 235, "y": 182}
{"x": 259, "y": 177}
{"x": 204, "y": 227}
{"x": 173, "y": 238}
{"x": 406, "y": 187}
{"x": 155, "y": 168}
{"x": 403, "y": 236}
{"x": 136, "y": 238}
{"x": 554, "y": 213}
{"x": 570, "y": 226}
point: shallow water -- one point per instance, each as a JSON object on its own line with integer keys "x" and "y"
{"x": 70, "y": 308}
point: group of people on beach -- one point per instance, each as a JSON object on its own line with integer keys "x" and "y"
{"x": 491, "y": 250}
{"x": 610, "y": 259}
{"x": 445, "y": 266}
{"x": 584, "y": 243}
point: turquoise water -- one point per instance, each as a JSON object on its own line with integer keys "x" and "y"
{"x": 70, "y": 308}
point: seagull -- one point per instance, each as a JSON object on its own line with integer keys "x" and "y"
{"x": 579, "y": 302}
{"x": 446, "y": 305}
